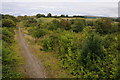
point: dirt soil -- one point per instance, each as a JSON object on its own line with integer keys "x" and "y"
{"x": 33, "y": 66}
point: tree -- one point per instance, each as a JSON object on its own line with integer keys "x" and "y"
{"x": 49, "y": 15}
{"x": 8, "y": 23}
{"x": 62, "y": 15}
{"x": 0, "y": 17}
{"x": 67, "y": 16}
{"x": 40, "y": 15}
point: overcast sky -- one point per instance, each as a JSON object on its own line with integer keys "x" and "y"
{"x": 60, "y": 0}
{"x": 70, "y": 7}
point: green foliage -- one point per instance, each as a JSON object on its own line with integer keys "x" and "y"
{"x": 10, "y": 17}
{"x": 93, "y": 48}
{"x": 92, "y": 53}
{"x": 84, "y": 55}
{"x": 37, "y": 33}
{"x": 114, "y": 28}
{"x": 110, "y": 43}
{"x": 40, "y": 15}
{"x": 78, "y": 25}
{"x": 54, "y": 25}
{"x": 8, "y": 62}
{"x": 8, "y": 23}
{"x": 7, "y": 35}
{"x": 65, "y": 24}
{"x": 39, "y": 22}
{"x": 30, "y": 22}
{"x": 62, "y": 15}
{"x": 67, "y": 46}
{"x": 103, "y": 25}
{"x": 89, "y": 23}
{"x": 82, "y": 49}
{"x": 49, "y": 15}
{"x": 57, "y": 40}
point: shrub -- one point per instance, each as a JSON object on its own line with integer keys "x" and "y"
{"x": 30, "y": 22}
{"x": 103, "y": 25}
{"x": 91, "y": 50}
{"x": 10, "y": 17}
{"x": 85, "y": 54}
{"x": 54, "y": 25}
{"x": 8, "y": 23}
{"x": 78, "y": 25}
{"x": 8, "y": 61}
{"x": 89, "y": 23}
{"x": 7, "y": 35}
{"x": 66, "y": 45}
{"x": 37, "y": 33}
{"x": 65, "y": 24}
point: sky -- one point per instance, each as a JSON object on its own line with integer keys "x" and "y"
{"x": 107, "y": 8}
{"x": 60, "y": 0}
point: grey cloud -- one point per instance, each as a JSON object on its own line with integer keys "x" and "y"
{"x": 70, "y": 8}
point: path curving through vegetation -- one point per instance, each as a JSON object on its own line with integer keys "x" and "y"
{"x": 33, "y": 67}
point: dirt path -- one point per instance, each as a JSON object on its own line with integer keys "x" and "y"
{"x": 33, "y": 67}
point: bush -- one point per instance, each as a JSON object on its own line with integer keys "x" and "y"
{"x": 91, "y": 50}
{"x": 89, "y": 23}
{"x": 67, "y": 46}
{"x": 30, "y": 22}
{"x": 10, "y": 17}
{"x": 98, "y": 56}
{"x": 8, "y": 23}
{"x": 65, "y": 24}
{"x": 37, "y": 33}
{"x": 78, "y": 25}
{"x": 54, "y": 25}
{"x": 114, "y": 28}
{"x": 8, "y": 62}
{"x": 7, "y": 35}
{"x": 103, "y": 25}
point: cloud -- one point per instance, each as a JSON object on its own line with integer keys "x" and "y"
{"x": 57, "y": 8}
{"x": 60, "y": 0}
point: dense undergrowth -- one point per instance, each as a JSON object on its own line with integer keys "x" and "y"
{"x": 86, "y": 48}
{"x": 9, "y": 60}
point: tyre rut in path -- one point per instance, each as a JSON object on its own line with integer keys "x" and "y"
{"x": 33, "y": 67}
